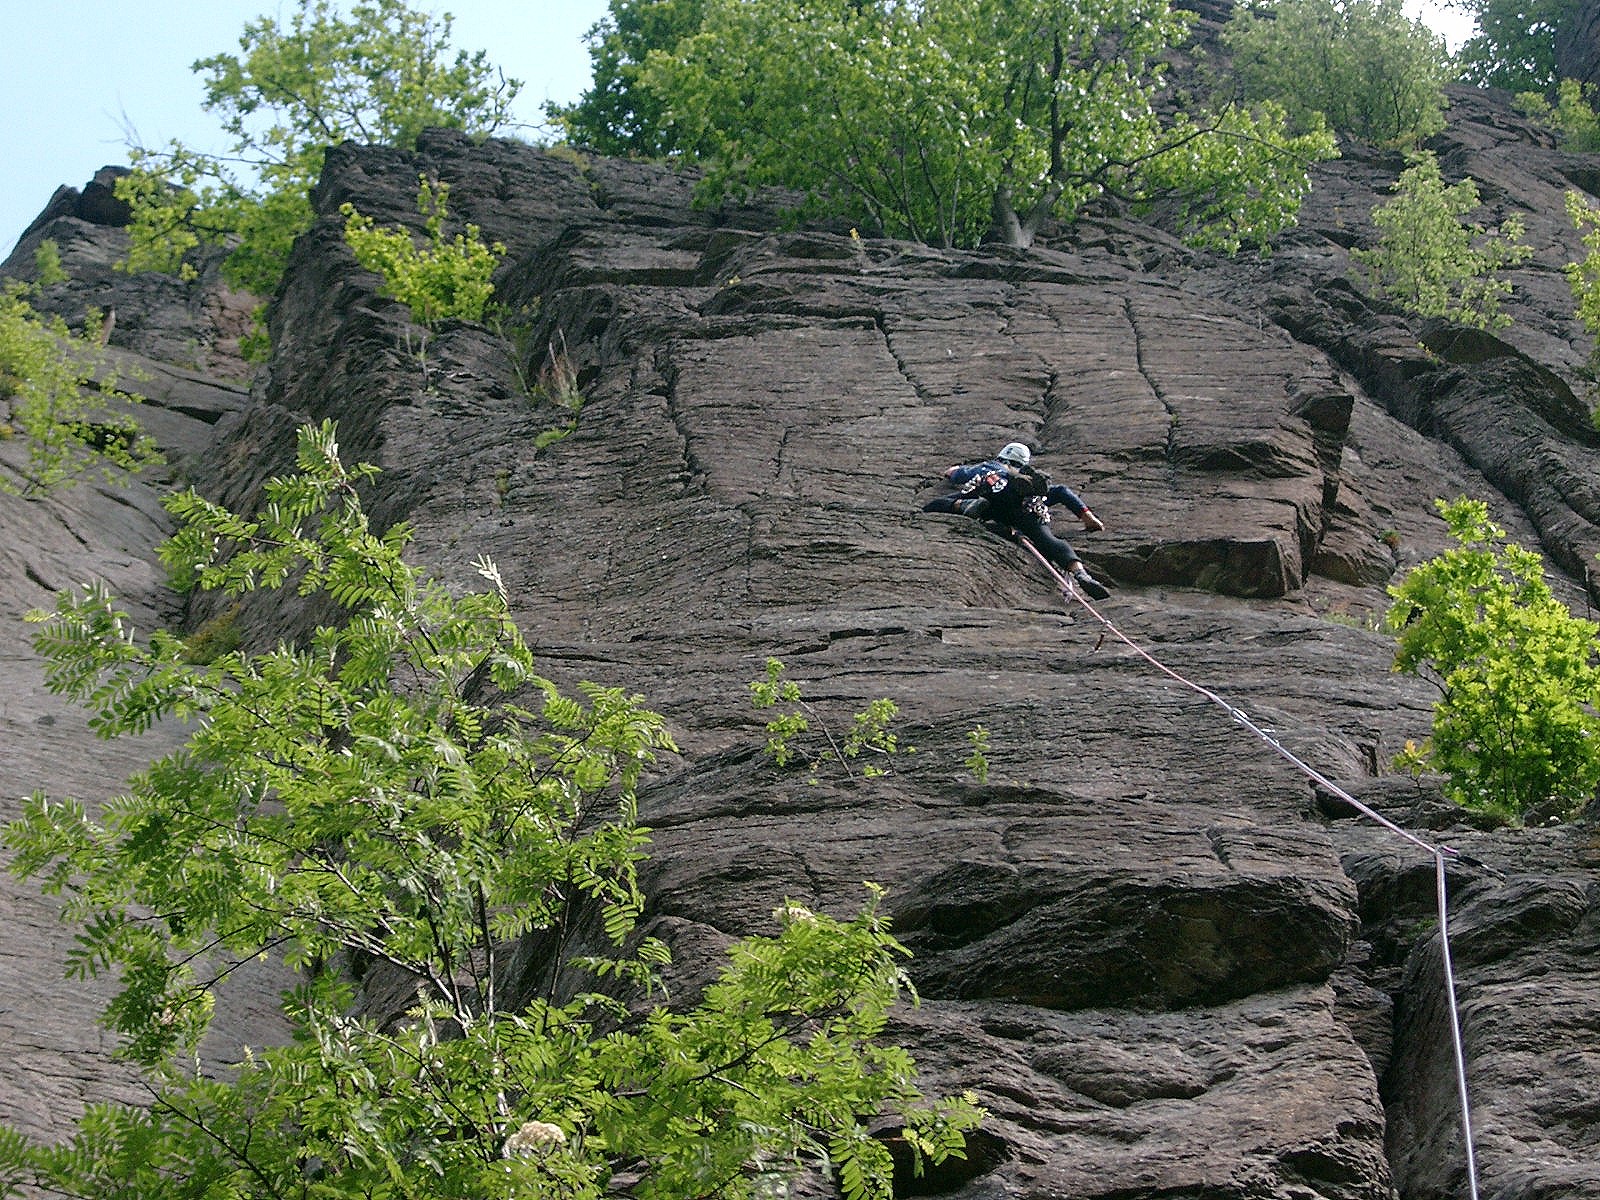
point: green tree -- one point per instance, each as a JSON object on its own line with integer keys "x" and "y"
{"x": 1363, "y": 65}
{"x": 1515, "y": 44}
{"x": 616, "y": 116}
{"x": 953, "y": 119}
{"x": 381, "y": 76}
{"x": 1515, "y": 727}
{"x": 1573, "y": 114}
{"x": 380, "y": 797}
{"x": 1434, "y": 263}
{"x": 59, "y": 393}
{"x": 1584, "y": 277}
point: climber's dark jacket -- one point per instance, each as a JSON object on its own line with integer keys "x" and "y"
{"x": 1017, "y": 499}
{"x": 1010, "y": 494}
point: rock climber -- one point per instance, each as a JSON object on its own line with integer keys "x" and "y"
{"x": 1007, "y": 491}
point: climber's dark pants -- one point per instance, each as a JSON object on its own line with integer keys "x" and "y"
{"x": 1057, "y": 550}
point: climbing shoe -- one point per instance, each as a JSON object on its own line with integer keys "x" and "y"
{"x": 1092, "y": 587}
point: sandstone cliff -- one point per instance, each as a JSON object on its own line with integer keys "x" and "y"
{"x": 1166, "y": 963}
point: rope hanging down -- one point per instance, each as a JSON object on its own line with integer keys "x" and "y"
{"x": 1438, "y": 853}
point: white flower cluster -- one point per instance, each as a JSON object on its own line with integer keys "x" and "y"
{"x": 790, "y": 913}
{"x": 535, "y": 1137}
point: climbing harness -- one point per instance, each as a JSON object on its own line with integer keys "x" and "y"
{"x": 1438, "y": 853}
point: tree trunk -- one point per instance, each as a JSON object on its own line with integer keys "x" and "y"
{"x": 1005, "y": 229}
{"x": 1008, "y": 229}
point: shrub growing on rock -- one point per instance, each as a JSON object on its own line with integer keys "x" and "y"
{"x": 47, "y": 268}
{"x": 379, "y": 795}
{"x": 798, "y": 734}
{"x": 1515, "y": 727}
{"x": 443, "y": 280}
{"x": 1572, "y": 115}
{"x": 1431, "y": 261}
{"x": 1584, "y": 277}
{"x": 60, "y": 395}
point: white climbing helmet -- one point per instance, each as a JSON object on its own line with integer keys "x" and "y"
{"x": 1016, "y": 453}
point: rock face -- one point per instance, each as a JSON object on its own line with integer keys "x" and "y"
{"x": 1578, "y": 44}
{"x": 57, "y": 1058}
{"x": 1166, "y": 962}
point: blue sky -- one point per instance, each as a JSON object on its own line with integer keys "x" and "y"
{"x": 76, "y": 74}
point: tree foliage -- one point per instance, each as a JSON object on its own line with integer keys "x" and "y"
{"x": 447, "y": 279}
{"x": 1584, "y": 277}
{"x": 1433, "y": 262}
{"x": 381, "y": 75}
{"x": 617, "y": 115}
{"x": 798, "y": 734}
{"x": 1514, "y": 46}
{"x": 951, "y": 120}
{"x": 1572, "y": 115}
{"x": 382, "y": 798}
{"x": 1362, "y": 65}
{"x": 47, "y": 268}
{"x": 59, "y": 393}
{"x": 1515, "y": 727}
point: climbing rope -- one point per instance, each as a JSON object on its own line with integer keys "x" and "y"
{"x": 1437, "y": 852}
